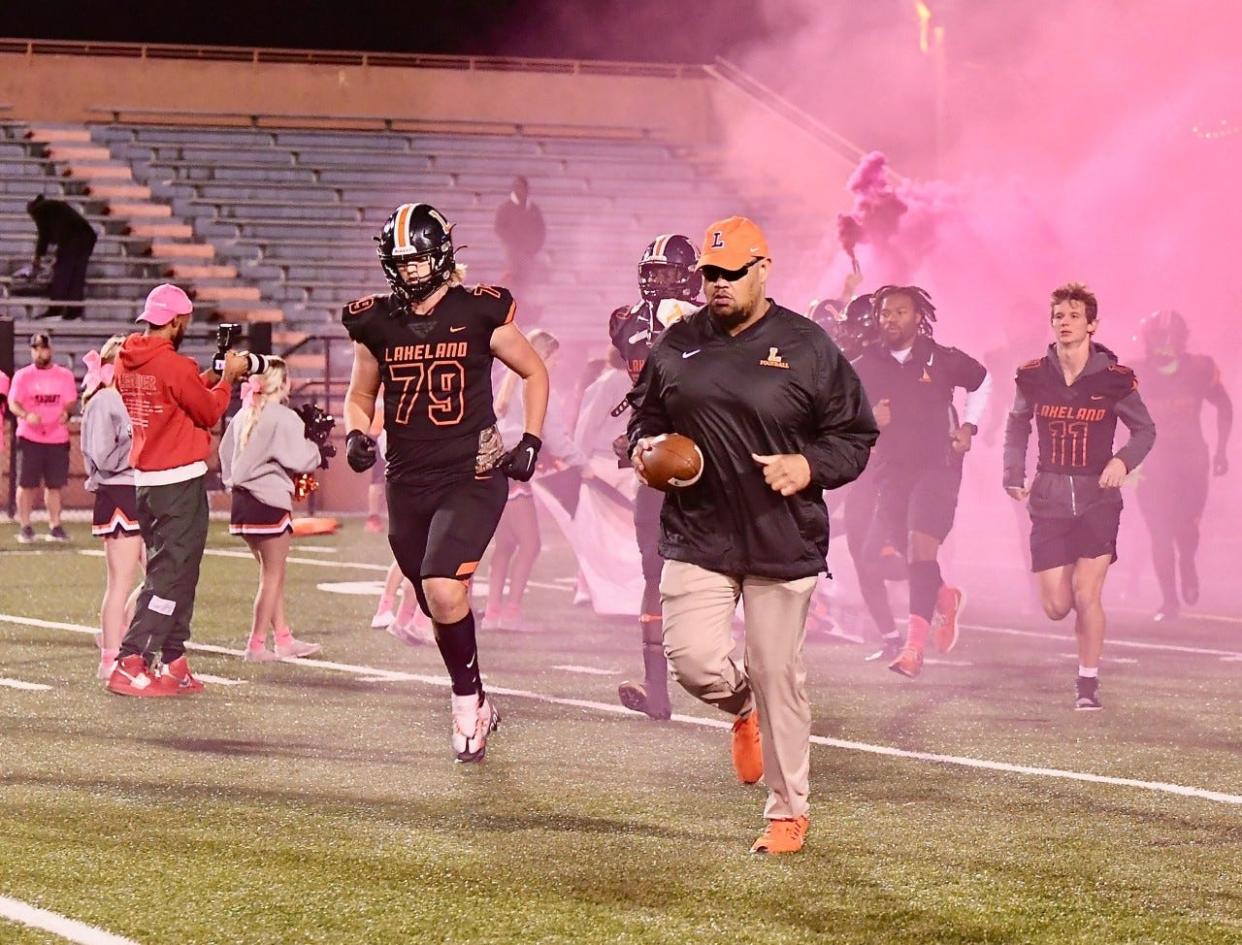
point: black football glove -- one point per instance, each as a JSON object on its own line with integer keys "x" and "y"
{"x": 519, "y": 462}
{"x": 359, "y": 451}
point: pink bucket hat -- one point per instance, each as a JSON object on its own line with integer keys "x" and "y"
{"x": 164, "y": 303}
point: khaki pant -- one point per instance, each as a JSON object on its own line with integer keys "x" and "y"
{"x": 698, "y": 618}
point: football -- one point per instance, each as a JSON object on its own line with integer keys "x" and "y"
{"x": 672, "y": 461}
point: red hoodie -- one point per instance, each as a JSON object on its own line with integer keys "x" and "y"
{"x": 171, "y": 407}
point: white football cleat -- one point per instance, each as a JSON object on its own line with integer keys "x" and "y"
{"x": 473, "y": 721}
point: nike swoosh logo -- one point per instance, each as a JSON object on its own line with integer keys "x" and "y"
{"x": 690, "y": 354}
{"x": 473, "y": 659}
{"x": 530, "y": 450}
{"x": 1097, "y": 396}
{"x": 458, "y": 328}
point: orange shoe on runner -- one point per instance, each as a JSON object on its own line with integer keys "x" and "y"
{"x": 782, "y": 836}
{"x": 909, "y": 662}
{"x": 950, "y": 603}
{"x": 747, "y": 748}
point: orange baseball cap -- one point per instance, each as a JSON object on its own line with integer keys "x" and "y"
{"x": 732, "y": 243}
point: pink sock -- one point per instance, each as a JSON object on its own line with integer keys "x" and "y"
{"x": 918, "y": 632}
{"x": 409, "y": 607}
{"x": 108, "y": 656}
{"x": 385, "y": 605}
{"x": 284, "y": 636}
{"x": 257, "y": 641}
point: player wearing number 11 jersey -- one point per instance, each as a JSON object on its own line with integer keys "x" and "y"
{"x": 430, "y": 343}
{"x": 1075, "y": 393}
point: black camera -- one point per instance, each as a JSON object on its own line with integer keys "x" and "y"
{"x": 226, "y": 337}
{"x": 319, "y": 426}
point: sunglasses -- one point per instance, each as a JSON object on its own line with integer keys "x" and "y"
{"x": 715, "y": 273}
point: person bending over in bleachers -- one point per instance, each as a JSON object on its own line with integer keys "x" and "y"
{"x": 62, "y": 226}
{"x": 264, "y": 446}
{"x": 107, "y": 436}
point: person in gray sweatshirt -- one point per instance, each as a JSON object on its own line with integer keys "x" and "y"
{"x": 106, "y": 438}
{"x": 263, "y": 448}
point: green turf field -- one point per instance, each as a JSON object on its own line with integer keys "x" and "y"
{"x": 313, "y": 804}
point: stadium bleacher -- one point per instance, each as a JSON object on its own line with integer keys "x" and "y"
{"x": 277, "y": 224}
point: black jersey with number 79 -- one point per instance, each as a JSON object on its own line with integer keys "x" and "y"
{"x": 436, "y": 374}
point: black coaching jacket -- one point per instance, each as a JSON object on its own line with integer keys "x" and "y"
{"x": 781, "y": 386}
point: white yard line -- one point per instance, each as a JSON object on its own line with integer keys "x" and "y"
{"x": 22, "y": 684}
{"x": 1110, "y": 642}
{"x": 61, "y": 926}
{"x": 220, "y": 680}
{"x": 587, "y": 670}
{"x": 374, "y": 674}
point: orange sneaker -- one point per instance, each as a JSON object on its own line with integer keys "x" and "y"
{"x": 131, "y": 677}
{"x": 950, "y": 604}
{"x": 177, "y": 680}
{"x": 747, "y": 748}
{"x": 782, "y": 836}
{"x": 909, "y": 662}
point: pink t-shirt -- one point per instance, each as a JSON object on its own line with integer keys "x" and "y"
{"x": 46, "y": 392}
{"x": 4, "y": 392}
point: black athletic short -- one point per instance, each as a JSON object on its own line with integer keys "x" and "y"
{"x": 1061, "y": 541}
{"x": 442, "y": 530}
{"x": 914, "y": 499}
{"x": 116, "y": 511}
{"x": 42, "y": 464}
{"x": 251, "y": 518}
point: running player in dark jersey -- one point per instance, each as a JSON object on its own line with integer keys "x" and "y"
{"x": 1075, "y": 393}
{"x": 1173, "y": 483}
{"x": 910, "y": 380}
{"x": 431, "y": 343}
{"x": 669, "y": 285}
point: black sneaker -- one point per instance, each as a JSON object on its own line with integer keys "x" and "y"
{"x": 1088, "y": 694}
{"x": 634, "y": 696}
{"x": 890, "y": 649}
{"x": 26, "y": 535}
{"x": 57, "y": 534}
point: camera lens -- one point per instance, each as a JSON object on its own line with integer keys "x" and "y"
{"x": 258, "y": 363}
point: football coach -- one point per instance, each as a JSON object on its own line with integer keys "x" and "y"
{"x": 779, "y": 416}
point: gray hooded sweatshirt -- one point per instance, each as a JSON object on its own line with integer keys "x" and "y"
{"x": 107, "y": 436}
{"x": 276, "y": 451}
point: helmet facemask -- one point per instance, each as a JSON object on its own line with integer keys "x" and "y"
{"x": 659, "y": 281}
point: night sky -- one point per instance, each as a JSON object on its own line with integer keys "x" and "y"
{"x": 668, "y": 31}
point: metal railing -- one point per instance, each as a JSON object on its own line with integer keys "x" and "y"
{"x": 725, "y": 71}
{"x": 331, "y": 57}
{"x": 135, "y": 115}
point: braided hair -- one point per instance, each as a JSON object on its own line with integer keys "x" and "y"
{"x": 922, "y": 304}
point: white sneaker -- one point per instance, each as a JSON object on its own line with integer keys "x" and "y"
{"x": 295, "y": 649}
{"x": 415, "y": 633}
{"x": 490, "y": 621}
{"x": 473, "y": 721}
{"x": 383, "y": 619}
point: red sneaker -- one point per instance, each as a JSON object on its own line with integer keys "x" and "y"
{"x": 177, "y": 680}
{"x": 132, "y": 677}
{"x": 950, "y": 604}
{"x": 747, "y": 748}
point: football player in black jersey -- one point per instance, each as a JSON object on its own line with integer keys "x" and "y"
{"x": 911, "y": 379}
{"x": 430, "y": 342}
{"x": 1075, "y": 393}
{"x": 669, "y": 285}
{"x": 1173, "y": 483}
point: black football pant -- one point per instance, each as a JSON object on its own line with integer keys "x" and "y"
{"x": 174, "y": 520}
{"x": 69, "y": 276}
{"x": 1172, "y": 503}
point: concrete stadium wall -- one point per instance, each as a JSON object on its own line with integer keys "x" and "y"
{"x": 63, "y": 88}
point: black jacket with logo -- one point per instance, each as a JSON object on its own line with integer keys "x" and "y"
{"x": 780, "y": 386}
{"x": 1076, "y": 424}
{"x": 920, "y": 395}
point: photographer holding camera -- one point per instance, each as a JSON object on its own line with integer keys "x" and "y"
{"x": 172, "y": 408}
{"x": 265, "y": 445}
